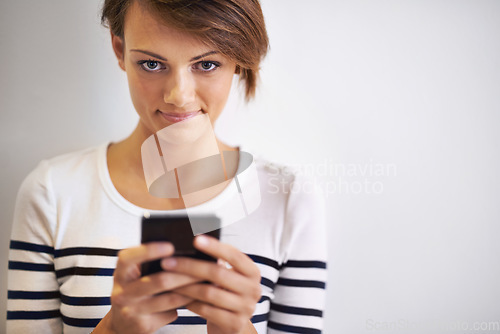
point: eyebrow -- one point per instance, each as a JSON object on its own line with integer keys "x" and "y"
{"x": 164, "y": 59}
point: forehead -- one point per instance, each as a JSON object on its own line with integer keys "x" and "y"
{"x": 144, "y": 30}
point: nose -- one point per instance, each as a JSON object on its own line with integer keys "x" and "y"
{"x": 179, "y": 89}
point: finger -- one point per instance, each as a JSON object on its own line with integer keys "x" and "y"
{"x": 222, "y": 318}
{"x": 218, "y": 297}
{"x": 157, "y": 283}
{"x": 157, "y": 321}
{"x": 219, "y": 275}
{"x": 164, "y": 318}
{"x": 129, "y": 259}
{"x": 239, "y": 261}
{"x": 161, "y": 303}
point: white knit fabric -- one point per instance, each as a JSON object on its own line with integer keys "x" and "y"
{"x": 70, "y": 222}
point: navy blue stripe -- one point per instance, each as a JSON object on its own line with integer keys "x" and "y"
{"x": 85, "y": 301}
{"x": 200, "y": 321}
{"x": 296, "y": 310}
{"x": 77, "y": 322}
{"x": 85, "y": 251}
{"x": 90, "y": 323}
{"x": 32, "y": 294}
{"x": 264, "y": 260}
{"x": 301, "y": 283}
{"x": 292, "y": 329}
{"x": 32, "y": 315}
{"x": 267, "y": 282}
{"x": 305, "y": 264}
{"x": 259, "y": 318}
{"x": 264, "y": 298}
{"x": 15, "y": 265}
{"x": 21, "y": 245}
{"x": 189, "y": 321}
{"x": 81, "y": 271}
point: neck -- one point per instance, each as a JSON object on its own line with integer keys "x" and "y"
{"x": 126, "y": 172}
{"x": 127, "y": 153}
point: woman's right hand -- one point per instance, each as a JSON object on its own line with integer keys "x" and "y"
{"x": 143, "y": 304}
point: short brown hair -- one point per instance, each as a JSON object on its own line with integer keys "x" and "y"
{"x": 235, "y": 28}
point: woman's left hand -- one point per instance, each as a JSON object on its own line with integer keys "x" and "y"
{"x": 228, "y": 303}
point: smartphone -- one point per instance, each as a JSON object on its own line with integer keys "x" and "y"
{"x": 177, "y": 230}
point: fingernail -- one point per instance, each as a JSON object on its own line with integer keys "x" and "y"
{"x": 202, "y": 241}
{"x": 169, "y": 263}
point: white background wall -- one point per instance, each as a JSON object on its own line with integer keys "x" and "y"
{"x": 393, "y": 106}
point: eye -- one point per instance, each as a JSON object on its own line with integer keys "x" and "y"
{"x": 207, "y": 66}
{"x": 151, "y": 65}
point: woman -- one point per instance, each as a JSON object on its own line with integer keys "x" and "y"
{"x": 75, "y": 255}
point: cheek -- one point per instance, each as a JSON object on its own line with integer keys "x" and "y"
{"x": 142, "y": 92}
{"x": 215, "y": 94}
{"x": 218, "y": 90}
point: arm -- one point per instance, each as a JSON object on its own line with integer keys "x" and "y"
{"x": 33, "y": 291}
{"x": 300, "y": 290}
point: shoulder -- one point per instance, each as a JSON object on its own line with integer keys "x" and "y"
{"x": 290, "y": 185}
{"x": 61, "y": 169}
{"x": 286, "y": 180}
{"x": 291, "y": 190}
{"x": 272, "y": 169}
{"x": 35, "y": 214}
{"x": 76, "y": 159}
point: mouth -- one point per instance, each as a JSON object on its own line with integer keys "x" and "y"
{"x": 175, "y": 117}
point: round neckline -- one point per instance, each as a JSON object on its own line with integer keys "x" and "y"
{"x": 126, "y": 205}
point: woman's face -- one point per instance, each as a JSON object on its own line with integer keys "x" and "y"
{"x": 172, "y": 76}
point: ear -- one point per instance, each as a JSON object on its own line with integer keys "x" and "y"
{"x": 119, "y": 48}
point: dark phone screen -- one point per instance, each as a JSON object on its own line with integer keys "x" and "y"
{"x": 177, "y": 230}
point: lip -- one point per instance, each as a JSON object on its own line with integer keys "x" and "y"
{"x": 175, "y": 117}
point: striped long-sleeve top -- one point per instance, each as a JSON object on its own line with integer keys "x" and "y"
{"x": 70, "y": 222}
